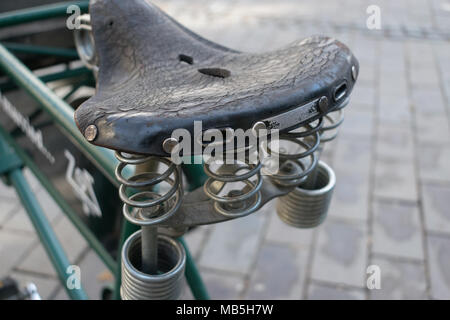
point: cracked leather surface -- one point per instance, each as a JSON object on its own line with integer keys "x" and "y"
{"x": 145, "y": 90}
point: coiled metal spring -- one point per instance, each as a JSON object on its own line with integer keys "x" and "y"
{"x": 304, "y": 208}
{"x": 147, "y": 207}
{"x": 307, "y": 205}
{"x": 230, "y": 199}
{"x": 137, "y": 285}
{"x": 330, "y": 129}
{"x": 152, "y": 264}
{"x": 292, "y": 170}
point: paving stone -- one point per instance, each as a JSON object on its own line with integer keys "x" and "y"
{"x": 433, "y": 162}
{"x": 365, "y": 48}
{"x": 223, "y": 286}
{"x": 279, "y": 272}
{"x": 363, "y": 96}
{"x": 367, "y": 74}
{"x": 7, "y": 207}
{"x": 392, "y": 67}
{"x": 46, "y": 286}
{"x": 19, "y": 221}
{"x": 395, "y": 143}
{"x": 232, "y": 245}
{"x": 393, "y": 76}
{"x": 195, "y": 239}
{"x": 351, "y": 164}
{"x": 420, "y": 53}
{"x": 423, "y": 76}
{"x": 439, "y": 262}
{"x": 279, "y": 232}
{"x": 318, "y": 291}
{"x": 400, "y": 280}
{"x": 353, "y": 153}
{"x": 72, "y": 242}
{"x": 341, "y": 253}
{"x": 436, "y": 207}
{"x": 428, "y": 102}
{"x": 7, "y": 191}
{"x": 94, "y": 275}
{"x": 357, "y": 122}
{"x": 37, "y": 262}
{"x": 351, "y": 195}
{"x": 395, "y": 180}
{"x": 61, "y": 295}
{"x": 397, "y": 230}
{"x": 394, "y": 109}
{"x": 186, "y": 293}
{"x": 432, "y": 129}
{"x": 12, "y": 247}
{"x": 392, "y": 52}
{"x": 392, "y": 87}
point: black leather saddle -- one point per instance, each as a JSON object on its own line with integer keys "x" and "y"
{"x": 156, "y": 76}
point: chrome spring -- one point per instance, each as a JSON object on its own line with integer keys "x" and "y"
{"x": 145, "y": 271}
{"x": 307, "y": 205}
{"x": 220, "y": 186}
{"x": 292, "y": 170}
{"x": 304, "y": 208}
{"x": 167, "y": 285}
{"x": 146, "y": 207}
{"x": 330, "y": 129}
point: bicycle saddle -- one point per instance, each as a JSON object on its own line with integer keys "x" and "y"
{"x": 156, "y": 76}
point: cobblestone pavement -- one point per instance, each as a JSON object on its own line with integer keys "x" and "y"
{"x": 391, "y": 206}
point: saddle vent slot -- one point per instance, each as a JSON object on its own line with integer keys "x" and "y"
{"x": 215, "y": 72}
{"x": 340, "y": 91}
{"x": 186, "y": 58}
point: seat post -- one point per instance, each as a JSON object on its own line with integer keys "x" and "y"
{"x": 152, "y": 264}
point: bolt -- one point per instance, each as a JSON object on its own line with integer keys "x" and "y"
{"x": 258, "y": 126}
{"x": 169, "y": 144}
{"x": 91, "y": 133}
{"x": 323, "y": 104}
{"x": 354, "y": 75}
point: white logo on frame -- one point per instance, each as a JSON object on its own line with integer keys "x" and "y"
{"x": 82, "y": 184}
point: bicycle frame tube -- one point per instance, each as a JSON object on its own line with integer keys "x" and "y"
{"x": 41, "y": 50}
{"x": 92, "y": 240}
{"x": 40, "y": 13}
{"x": 52, "y": 77}
{"x": 44, "y": 230}
{"x": 59, "y": 110}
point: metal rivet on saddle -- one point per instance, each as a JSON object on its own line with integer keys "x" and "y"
{"x": 91, "y": 133}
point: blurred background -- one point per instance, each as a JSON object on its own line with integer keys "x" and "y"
{"x": 391, "y": 205}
